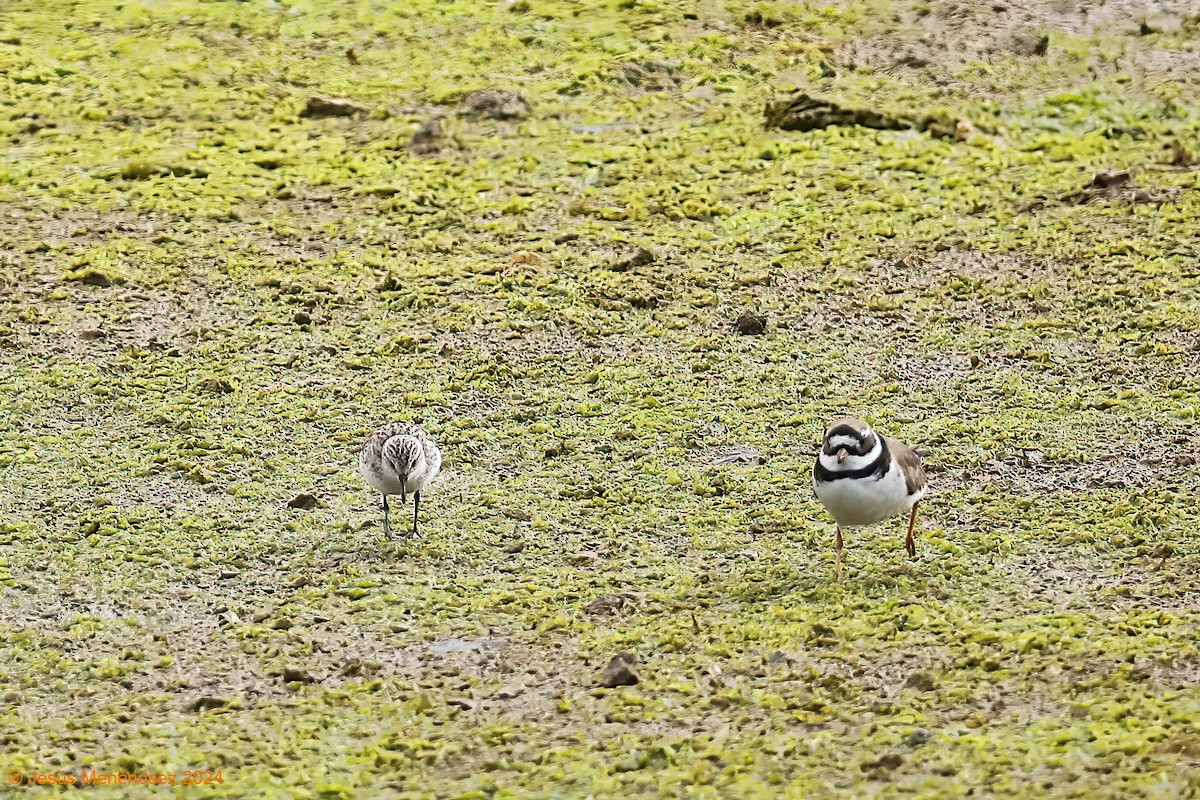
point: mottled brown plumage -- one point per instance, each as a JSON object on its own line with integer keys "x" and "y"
{"x": 910, "y": 464}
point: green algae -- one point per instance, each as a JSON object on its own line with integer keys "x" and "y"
{"x": 269, "y": 287}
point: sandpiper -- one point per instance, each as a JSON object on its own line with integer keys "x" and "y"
{"x": 399, "y": 458}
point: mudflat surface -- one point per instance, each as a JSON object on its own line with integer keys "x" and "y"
{"x": 213, "y": 286}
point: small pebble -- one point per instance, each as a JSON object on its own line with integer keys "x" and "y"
{"x": 619, "y": 671}
{"x": 919, "y": 736}
{"x": 751, "y": 325}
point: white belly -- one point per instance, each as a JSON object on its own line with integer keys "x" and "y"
{"x": 865, "y": 501}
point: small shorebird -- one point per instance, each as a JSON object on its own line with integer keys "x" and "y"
{"x": 399, "y": 459}
{"x": 862, "y": 478}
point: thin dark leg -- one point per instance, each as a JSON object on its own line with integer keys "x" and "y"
{"x": 909, "y": 544}
{"x": 839, "y": 544}
{"x": 387, "y": 523}
{"x": 416, "y": 505}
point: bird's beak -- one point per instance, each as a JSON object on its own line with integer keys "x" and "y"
{"x": 842, "y": 454}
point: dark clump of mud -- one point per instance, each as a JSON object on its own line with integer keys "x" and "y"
{"x": 495, "y": 104}
{"x": 427, "y": 139}
{"x": 640, "y": 258}
{"x": 321, "y": 107}
{"x": 751, "y": 324}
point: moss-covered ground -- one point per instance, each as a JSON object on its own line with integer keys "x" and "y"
{"x": 208, "y": 298}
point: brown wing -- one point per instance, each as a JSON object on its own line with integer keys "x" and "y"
{"x": 910, "y": 462}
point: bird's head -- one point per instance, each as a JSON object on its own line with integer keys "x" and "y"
{"x": 849, "y": 440}
{"x": 404, "y": 456}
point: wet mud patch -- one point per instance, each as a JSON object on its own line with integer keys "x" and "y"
{"x": 936, "y": 39}
{"x": 1076, "y": 581}
{"x": 1158, "y": 456}
{"x": 895, "y": 297}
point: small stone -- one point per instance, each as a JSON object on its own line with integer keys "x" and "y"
{"x": 427, "y": 137}
{"x": 1108, "y": 180}
{"x": 226, "y": 574}
{"x": 705, "y": 91}
{"x": 319, "y": 107}
{"x": 93, "y": 333}
{"x": 524, "y": 257}
{"x": 461, "y": 702}
{"x": 304, "y": 500}
{"x": 297, "y": 675}
{"x": 919, "y": 736}
{"x": 207, "y": 703}
{"x": 302, "y": 318}
{"x": 619, "y": 671}
{"x": 496, "y": 104}
{"x": 584, "y": 558}
{"x": 751, "y": 324}
{"x": 509, "y": 691}
{"x": 921, "y": 681}
{"x": 91, "y": 277}
{"x": 608, "y": 604}
{"x": 639, "y": 259}
{"x": 12, "y": 698}
{"x": 886, "y": 762}
{"x": 215, "y": 386}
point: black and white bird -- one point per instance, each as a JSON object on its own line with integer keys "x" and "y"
{"x": 399, "y": 458}
{"x": 862, "y": 477}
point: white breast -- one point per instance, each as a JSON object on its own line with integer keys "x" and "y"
{"x": 386, "y": 481}
{"x": 865, "y": 501}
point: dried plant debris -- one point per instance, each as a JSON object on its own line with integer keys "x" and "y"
{"x": 1119, "y": 185}
{"x": 804, "y": 112}
{"x": 320, "y": 107}
{"x": 650, "y": 76}
{"x": 742, "y": 454}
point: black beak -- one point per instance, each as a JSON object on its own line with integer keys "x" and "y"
{"x": 842, "y": 454}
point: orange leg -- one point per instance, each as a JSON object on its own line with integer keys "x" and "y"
{"x": 909, "y": 544}
{"x": 839, "y": 544}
